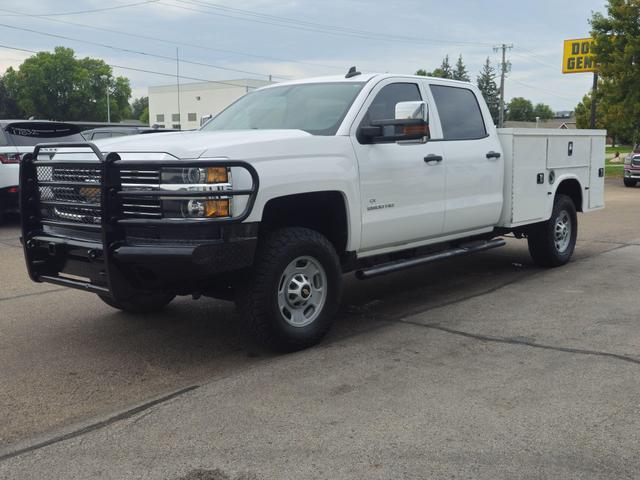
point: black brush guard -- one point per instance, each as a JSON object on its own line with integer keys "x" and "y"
{"x": 95, "y": 265}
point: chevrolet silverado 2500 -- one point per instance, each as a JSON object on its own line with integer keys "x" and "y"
{"x": 272, "y": 200}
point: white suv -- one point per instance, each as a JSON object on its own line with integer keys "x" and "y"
{"x": 17, "y": 138}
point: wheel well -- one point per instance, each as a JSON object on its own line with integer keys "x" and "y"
{"x": 324, "y": 212}
{"x": 571, "y": 187}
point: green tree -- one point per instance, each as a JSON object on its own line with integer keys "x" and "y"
{"x": 617, "y": 50}
{"x": 422, "y": 73}
{"x": 487, "y": 84}
{"x": 8, "y": 106}
{"x": 138, "y": 106}
{"x": 543, "y": 111}
{"x": 520, "y": 110}
{"x": 460, "y": 72}
{"x": 144, "y": 116}
{"x": 58, "y": 86}
{"x": 444, "y": 71}
{"x": 610, "y": 117}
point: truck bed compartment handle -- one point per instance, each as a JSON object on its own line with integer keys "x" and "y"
{"x": 493, "y": 154}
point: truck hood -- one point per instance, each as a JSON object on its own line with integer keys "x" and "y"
{"x": 195, "y": 144}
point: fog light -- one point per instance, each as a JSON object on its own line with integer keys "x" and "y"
{"x": 206, "y": 208}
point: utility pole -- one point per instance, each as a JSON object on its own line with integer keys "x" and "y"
{"x": 178, "y": 85}
{"x": 594, "y": 100}
{"x": 505, "y": 67}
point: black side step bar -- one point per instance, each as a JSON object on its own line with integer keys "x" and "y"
{"x": 463, "y": 249}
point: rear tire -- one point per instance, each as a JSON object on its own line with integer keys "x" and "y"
{"x": 289, "y": 298}
{"x": 142, "y": 303}
{"x": 551, "y": 243}
{"x": 629, "y": 182}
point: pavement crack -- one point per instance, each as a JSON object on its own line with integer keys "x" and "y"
{"x": 23, "y": 295}
{"x": 98, "y": 425}
{"x": 525, "y": 343}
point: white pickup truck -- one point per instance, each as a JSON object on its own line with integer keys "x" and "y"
{"x": 295, "y": 184}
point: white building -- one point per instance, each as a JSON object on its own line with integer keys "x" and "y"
{"x": 197, "y": 100}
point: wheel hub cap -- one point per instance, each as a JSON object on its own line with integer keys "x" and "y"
{"x": 302, "y": 291}
{"x": 562, "y": 232}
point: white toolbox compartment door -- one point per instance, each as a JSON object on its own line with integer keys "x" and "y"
{"x": 529, "y": 198}
{"x": 596, "y": 186}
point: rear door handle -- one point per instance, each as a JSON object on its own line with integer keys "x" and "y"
{"x": 493, "y": 154}
{"x": 433, "y": 158}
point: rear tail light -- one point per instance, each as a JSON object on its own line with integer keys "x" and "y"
{"x": 9, "y": 158}
{"x": 12, "y": 190}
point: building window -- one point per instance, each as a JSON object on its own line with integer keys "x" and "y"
{"x": 159, "y": 126}
{"x": 192, "y": 117}
{"x": 176, "y": 126}
{"x": 175, "y": 117}
{"x": 160, "y": 118}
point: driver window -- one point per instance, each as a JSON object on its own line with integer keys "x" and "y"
{"x": 383, "y": 106}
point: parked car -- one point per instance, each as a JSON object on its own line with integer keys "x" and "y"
{"x": 110, "y": 132}
{"x": 17, "y": 138}
{"x": 297, "y": 183}
{"x": 632, "y": 170}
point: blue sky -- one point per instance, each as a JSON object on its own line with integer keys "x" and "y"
{"x": 302, "y": 38}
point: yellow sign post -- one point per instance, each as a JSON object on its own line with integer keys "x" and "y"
{"x": 578, "y": 58}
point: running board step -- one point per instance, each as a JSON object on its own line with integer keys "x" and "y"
{"x": 458, "y": 251}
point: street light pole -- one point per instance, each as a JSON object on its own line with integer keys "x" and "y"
{"x": 106, "y": 79}
{"x": 108, "y": 106}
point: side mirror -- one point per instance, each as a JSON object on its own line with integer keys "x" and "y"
{"x": 411, "y": 122}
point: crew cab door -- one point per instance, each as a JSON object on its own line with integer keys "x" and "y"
{"x": 402, "y": 190}
{"x": 472, "y": 159}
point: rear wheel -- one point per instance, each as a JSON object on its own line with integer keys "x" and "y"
{"x": 292, "y": 293}
{"x": 143, "y": 303}
{"x": 629, "y": 182}
{"x": 551, "y": 243}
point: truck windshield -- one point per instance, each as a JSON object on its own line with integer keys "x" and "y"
{"x": 316, "y": 108}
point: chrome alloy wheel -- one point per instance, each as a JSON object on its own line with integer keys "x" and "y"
{"x": 562, "y": 231}
{"x": 302, "y": 291}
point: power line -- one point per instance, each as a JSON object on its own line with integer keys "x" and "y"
{"x": 137, "y": 52}
{"x": 326, "y": 29}
{"x": 86, "y": 11}
{"x": 544, "y": 90}
{"x": 142, "y": 70}
{"x": 170, "y": 42}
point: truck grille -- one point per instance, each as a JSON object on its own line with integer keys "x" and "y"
{"x": 70, "y": 193}
{"x": 141, "y": 179}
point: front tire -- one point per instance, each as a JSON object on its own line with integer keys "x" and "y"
{"x": 142, "y": 303}
{"x": 629, "y": 182}
{"x": 291, "y": 295}
{"x": 552, "y": 243}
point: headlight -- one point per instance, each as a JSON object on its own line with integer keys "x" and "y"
{"x": 196, "y": 179}
{"x": 195, "y": 175}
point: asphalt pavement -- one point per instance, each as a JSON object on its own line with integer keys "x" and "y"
{"x": 480, "y": 367}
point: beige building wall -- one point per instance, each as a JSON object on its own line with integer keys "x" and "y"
{"x": 197, "y": 100}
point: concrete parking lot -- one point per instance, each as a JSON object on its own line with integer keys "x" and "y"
{"x": 480, "y": 367}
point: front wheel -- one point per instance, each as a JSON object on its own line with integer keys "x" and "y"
{"x": 142, "y": 303}
{"x": 629, "y": 182}
{"x": 551, "y": 243}
{"x": 291, "y": 295}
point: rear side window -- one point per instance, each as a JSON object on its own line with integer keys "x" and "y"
{"x": 32, "y": 133}
{"x": 383, "y": 106}
{"x": 459, "y": 112}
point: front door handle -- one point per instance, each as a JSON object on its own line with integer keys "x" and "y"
{"x": 433, "y": 158}
{"x": 493, "y": 154}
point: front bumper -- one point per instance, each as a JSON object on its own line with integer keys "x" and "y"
{"x": 121, "y": 256}
{"x": 633, "y": 173}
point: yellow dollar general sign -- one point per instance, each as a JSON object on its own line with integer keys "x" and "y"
{"x": 578, "y": 57}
